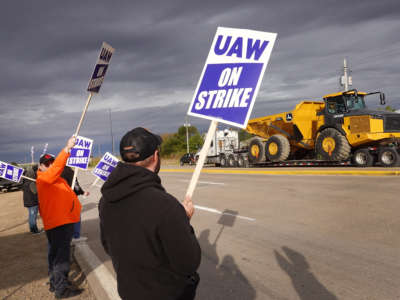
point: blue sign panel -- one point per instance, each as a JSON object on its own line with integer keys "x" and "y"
{"x": 231, "y": 98}
{"x": 80, "y": 153}
{"x": 105, "y": 166}
{"x": 13, "y": 173}
{"x": 232, "y": 75}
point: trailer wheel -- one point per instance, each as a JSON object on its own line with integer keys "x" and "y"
{"x": 277, "y": 148}
{"x": 242, "y": 163}
{"x": 256, "y": 150}
{"x": 389, "y": 157}
{"x": 223, "y": 162}
{"x": 363, "y": 158}
{"x": 232, "y": 163}
{"x": 332, "y": 145}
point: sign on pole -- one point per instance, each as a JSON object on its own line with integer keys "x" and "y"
{"x": 230, "y": 81}
{"x": 97, "y": 78}
{"x": 80, "y": 153}
{"x": 95, "y": 83}
{"x": 232, "y": 75}
{"x": 10, "y": 172}
{"x": 101, "y": 68}
{"x": 105, "y": 166}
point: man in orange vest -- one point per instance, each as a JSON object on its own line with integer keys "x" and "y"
{"x": 59, "y": 208}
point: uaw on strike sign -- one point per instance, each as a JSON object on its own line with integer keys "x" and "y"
{"x": 10, "y": 172}
{"x": 80, "y": 153}
{"x": 232, "y": 75}
{"x": 101, "y": 68}
{"x": 105, "y": 166}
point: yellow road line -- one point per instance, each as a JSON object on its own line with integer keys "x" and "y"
{"x": 292, "y": 172}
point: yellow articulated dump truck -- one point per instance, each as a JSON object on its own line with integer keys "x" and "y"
{"x": 339, "y": 129}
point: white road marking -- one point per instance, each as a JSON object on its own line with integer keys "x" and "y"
{"x": 205, "y": 182}
{"x": 213, "y": 210}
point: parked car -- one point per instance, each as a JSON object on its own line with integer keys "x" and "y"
{"x": 9, "y": 186}
{"x": 187, "y": 158}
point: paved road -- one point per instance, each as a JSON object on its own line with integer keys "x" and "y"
{"x": 287, "y": 237}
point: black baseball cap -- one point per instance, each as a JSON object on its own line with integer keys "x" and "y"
{"x": 46, "y": 159}
{"x": 140, "y": 142}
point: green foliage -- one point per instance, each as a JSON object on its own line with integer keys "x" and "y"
{"x": 244, "y": 135}
{"x": 176, "y": 143}
{"x": 94, "y": 161}
{"x": 389, "y": 108}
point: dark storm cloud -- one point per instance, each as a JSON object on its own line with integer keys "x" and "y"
{"x": 49, "y": 50}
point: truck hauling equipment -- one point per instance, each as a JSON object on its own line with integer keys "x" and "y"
{"x": 339, "y": 130}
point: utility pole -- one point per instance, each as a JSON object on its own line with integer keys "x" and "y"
{"x": 346, "y": 80}
{"x": 187, "y": 133}
{"x": 32, "y": 151}
{"x": 112, "y": 136}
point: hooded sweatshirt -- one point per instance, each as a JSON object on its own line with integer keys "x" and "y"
{"x": 147, "y": 234}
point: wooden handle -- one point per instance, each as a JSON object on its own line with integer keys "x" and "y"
{"x": 202, "y": 157}
{"x": 83, "y": 114}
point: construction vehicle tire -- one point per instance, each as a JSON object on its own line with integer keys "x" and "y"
{"x": 332, "y": 145}
{"x": 277, "y": 148}
{"x": 389, "y": 157}
{"x": 363, "y": 158}
{"x": 232, "y": 163}
{"x": 256, "y": 150}
{"x": 223, "y": 161}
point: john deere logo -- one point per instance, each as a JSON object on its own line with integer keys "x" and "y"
{"x": 289, "y": 117}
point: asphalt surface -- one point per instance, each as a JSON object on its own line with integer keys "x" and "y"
{"x": 286, "y": 236}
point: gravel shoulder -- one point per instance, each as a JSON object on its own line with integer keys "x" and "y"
{"x": 23, "y": 256}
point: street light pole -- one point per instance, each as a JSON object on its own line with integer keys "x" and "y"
{"x": 187, "y": 134}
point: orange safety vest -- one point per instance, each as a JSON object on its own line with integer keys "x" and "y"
{"x": 58, "y": 203}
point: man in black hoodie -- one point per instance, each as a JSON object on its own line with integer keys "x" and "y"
{"x": 145, "y": 230}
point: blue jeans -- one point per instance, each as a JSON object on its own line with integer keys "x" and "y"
{"x": 33, "y": 212}
{"x": 77, "y": 230}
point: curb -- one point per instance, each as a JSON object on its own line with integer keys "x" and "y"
{"x": 292, "y": 172}
{"x": 100, "y": 279}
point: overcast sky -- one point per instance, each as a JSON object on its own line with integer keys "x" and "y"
{"x": 49, "y": 49}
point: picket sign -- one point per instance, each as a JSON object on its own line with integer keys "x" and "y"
{"x": 229, "y": 82}
{"x": 80, "y": 156}
{"x": 104, "y": 168}
{"x": 10, "y": 172}
{"x": 95, "y": 83}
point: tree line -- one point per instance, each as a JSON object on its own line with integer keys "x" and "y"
{"x": 175, "y": 144}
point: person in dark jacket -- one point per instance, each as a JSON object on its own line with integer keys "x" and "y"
{"x": 145, "y": 230}
{"x": 68, "y": 175}
{"x": 31, "y": 199}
